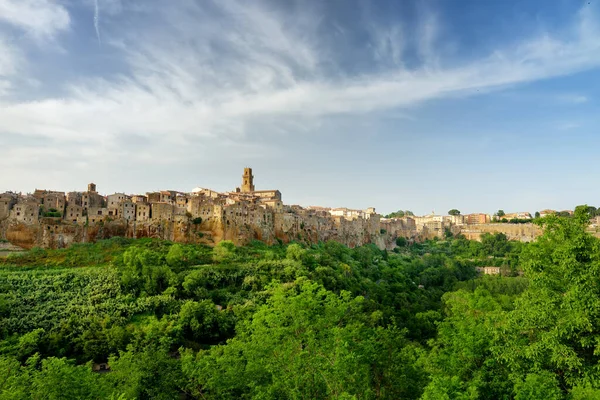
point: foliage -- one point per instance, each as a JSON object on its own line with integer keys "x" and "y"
{"x": 399, "y": 214}
{"x": 454, "y": 211}
{"x": 294, "y": 321}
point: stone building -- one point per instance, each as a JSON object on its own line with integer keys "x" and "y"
{"x": 350, "y": 214}
{"x": 182, "y": 200}
{"x": 113, "y": 200}
{"x": 454, "y": 219}
{"x": 97, "y": 214}
{"x": 73, "y": 213}
{"x": 26, "y": 211}
{"x": 139, "y": 198}
{"x": 142, "y": 211}
{"x": 54, "y": 201}
{"x": 91, "y": 198}
{"x": 75, "y": 198}
{"x": 126, "y": 210}
{"x": 164, "y": 196}
{"x": 162, "y": 211}
{"x": 478, "y": 218}
{"x": 7, "y": 201}
{"x": 247, "y": 181}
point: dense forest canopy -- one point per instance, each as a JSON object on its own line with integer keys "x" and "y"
{"x": 321, "y": 322}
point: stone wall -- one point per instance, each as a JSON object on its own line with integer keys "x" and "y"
{"x": 521, "y": 232}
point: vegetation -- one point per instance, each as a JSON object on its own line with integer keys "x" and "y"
{"x": 52, "y": 213}
{"x": 454, "y": 211}
{"x": 399, "y": 214}
{"x": 287, "y": 321}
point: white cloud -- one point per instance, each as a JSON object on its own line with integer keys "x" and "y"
{"x": 41, "y": 18}
{"x": 9, "y": 64}
{"x": 572, "y": 98}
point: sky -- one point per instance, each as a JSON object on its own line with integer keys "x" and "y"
{"x": 395, "y": 104}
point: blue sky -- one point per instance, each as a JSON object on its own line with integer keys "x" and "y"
{"x": 424, "y": 105}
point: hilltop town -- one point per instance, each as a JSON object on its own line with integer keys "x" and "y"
{"x": 48, "y": 218}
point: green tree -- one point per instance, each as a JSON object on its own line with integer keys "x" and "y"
{"x": 150, "y": 373}
{"x": 537, "y": 214}
{"x": 454, "y": 211}
{"x": 307, "y": 342}
{"x": 401, "y": 241}
{"x": 462, "y": 363}
{"x": 541, "y": 385}
{"x": 500, "y": 213}
{"x": 224, "y": 251}
{"x": 396, "y": 214}
{"x": 554, "y": 327}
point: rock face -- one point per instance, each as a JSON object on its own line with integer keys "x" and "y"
{"x": 242, "y": 228}
{"x": 278, "y": 227}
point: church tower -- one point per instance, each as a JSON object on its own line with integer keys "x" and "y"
{"x": 247, "y": 181}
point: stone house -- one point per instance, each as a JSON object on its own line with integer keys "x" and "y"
{"x": 153, "y": 197}
{"x": 182, "y": 200}
{"x": 113, "y": 200}
{"x": 162, "y": 212}
{"x": 479, "y": 218}
{"x": 126, "y": 210}
{"x": 92, "y": 200}
{"x": 97, "y": 214}
{"x": 26, "y": 211}
{"x": 7, "y": 201}
{"x": 75, "y": 198}
{"x": 54, "y": 200}
{"x": 142, "y": 212}
{"x": 73, "y": 213}
{"x": 139, "y": 198}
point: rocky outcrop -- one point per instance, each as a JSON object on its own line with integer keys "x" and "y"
{"x": 270, "y": 228}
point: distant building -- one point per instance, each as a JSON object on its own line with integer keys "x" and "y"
{"x": 477, "y": 218}
{"x": 489, "y": 270}
{"x": 26, "y": 211}
{"x": 7, "y": 201}
{"x": 73, "y": 213}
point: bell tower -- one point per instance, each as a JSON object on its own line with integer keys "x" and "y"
{"x": 247, "y": 181}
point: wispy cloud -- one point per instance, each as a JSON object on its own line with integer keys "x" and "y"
{"x": 97, "y": 20}
{"x": 565, "y": 126}
{"x": 40, "y": 18}
{"x": 10, "y": 62}
{"x": 572, "y": 98}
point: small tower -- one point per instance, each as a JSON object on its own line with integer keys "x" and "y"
{"x": 92, "y": 187}
{"x": 247, "y": 181}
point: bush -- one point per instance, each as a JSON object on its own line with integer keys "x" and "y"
{"x": 197, "y": 221}
{"x": 401, "y": 242}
